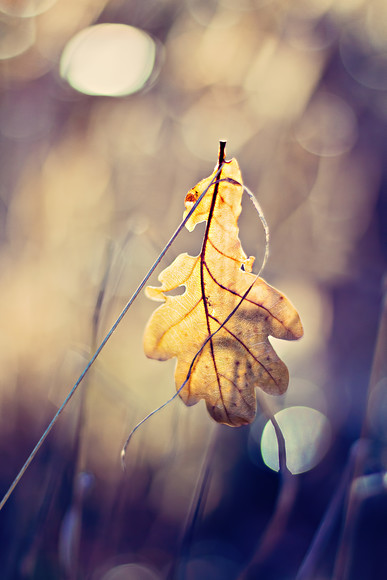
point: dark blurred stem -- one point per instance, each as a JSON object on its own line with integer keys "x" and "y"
{"x": 82, "y": 416}
{"x": 277, "y": 524}
{"x": 308, "y": 567}
{"x": 379, "y": 370}
{"x": 178, "y": 571}
{"x": 285, "y": 500}
{"x": 80, "y": 450}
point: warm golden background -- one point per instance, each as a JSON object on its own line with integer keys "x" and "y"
{"x": 102, "y": 132}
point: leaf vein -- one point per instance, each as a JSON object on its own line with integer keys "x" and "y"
{"x": 246, "y": 348}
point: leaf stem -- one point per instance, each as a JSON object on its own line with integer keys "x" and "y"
{"x": 222, "y": 146}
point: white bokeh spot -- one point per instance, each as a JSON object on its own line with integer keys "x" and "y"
{"x": 307, "y": 434}
{"x": 108, "y": 59}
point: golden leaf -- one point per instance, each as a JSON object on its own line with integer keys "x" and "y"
{"x": 239, "y": 357}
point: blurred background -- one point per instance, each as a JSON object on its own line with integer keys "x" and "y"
{"x": 110, "y": 111}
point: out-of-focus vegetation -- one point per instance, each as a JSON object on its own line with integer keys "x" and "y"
{"x": 110, "y": 112}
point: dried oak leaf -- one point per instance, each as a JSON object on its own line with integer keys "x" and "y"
{"x": 239, "y": 357}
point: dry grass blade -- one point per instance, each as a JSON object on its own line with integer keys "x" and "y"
{"x": 98, "y": 351}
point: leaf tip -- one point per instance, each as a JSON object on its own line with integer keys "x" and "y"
{"x": 155, "y": 293}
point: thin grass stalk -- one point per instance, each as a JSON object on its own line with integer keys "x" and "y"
{"x": 92, "y": 360}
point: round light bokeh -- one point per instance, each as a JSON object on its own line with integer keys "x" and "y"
{"x": 307, "y": 435}
{"x": 328, "y": 126}
{"x": 16, "y": 36}
{"x": 363, "y": 49}
{"x": 108, "y": 59}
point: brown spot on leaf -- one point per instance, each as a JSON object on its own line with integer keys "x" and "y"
{"x": 191, "y": 197}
